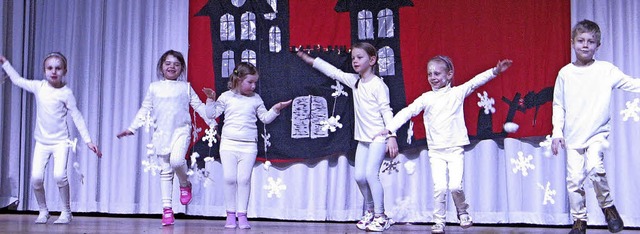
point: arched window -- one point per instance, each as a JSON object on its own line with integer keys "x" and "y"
{"x": 386, "y": 62}
{"x": 274, "y": 6}
{"x": 385, "y": 23}
{"x": 238, "y": 3}
{"x": 275, "y": 39}
{"x": 227, "y": 28}
{"x": 365, "y": 25}
{"x": 249, "y": 56}
{"x": 228, "y": 63}
{"x": 248, "y": 26}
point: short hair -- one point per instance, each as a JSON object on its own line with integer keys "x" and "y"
{"x": 586, "y": 26}
{"x": 240, "y": 73}
{"x": 56, "y": 55}
{"x": 164, "y": 56}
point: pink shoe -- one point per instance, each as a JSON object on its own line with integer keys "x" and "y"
{"x": 185, "y": 194}
{"x": 167, "y": 217}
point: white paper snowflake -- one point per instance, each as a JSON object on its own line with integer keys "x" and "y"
{"x": 201, "y": 174}
{"x": 73, "y": 144}
{"x": 331, "y": 124}
{"x": 522, "y": 164}
{"x": 410, "y": 132}
{"x": 210, "y": 136}
{"x": 339, "y": 90}
{"x": 194, "y": 133}
{"x": 148, "y": 121}
{"x": 194, "y": 157}
{"x": 266, "y": 165}
{"x": 405, "y": 207}
{"x": 632, "y": 111}
{"x": 546, "y": 144}
{"x": 267, "y": 140}
{"x": 548, "y": 193}
{"x": 275, "y": 187}
{"x": 486, "y": 102}
{"x": 151, "y": 165}
{"x": 76, "y": 167}
{"x": 410, "y": 166}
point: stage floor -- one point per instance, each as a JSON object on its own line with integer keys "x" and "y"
{"x": 23, "y": 223}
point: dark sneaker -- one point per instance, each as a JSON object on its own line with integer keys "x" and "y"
{"x": 614, "y": 222}
{"x": 579, "y": 227}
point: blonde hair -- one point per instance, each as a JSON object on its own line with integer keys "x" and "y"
{"x": 587, "y": 26}
{"x": 240, "y": 73}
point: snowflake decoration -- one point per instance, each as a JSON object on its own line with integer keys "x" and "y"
{"x": 150, "y": 149}
{"x": 200, "y": 174}
{"x": 194, "y": 134}
{"x": 522, "y": 164}
{"x": 389, "y": 167}
{"x": 267, "y": 140}
{"x": 148, "y": 121}
{"x": 275, "y": 187}
{"x": 210, "y": 136}
{"x": 76, "y": 167}
{"x": 73, "y": 144}
{"x": 487, "y": 103}
{"x": 410, "y": 132}
{"x": 548, "y": 193}
{"x": 404, "y": 208}
{"x": 331, "y": 124}
{"x": 194, "y": 157}
{"x": 339, "y": 90}
{"x": 633, "y": 108}
{"x": 151, "y": 165}
{"x": 266, "y": 165}
{"x": 547, "y": 145}
{"x": 410, "y": 166}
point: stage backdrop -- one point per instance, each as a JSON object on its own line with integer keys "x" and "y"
{"x": 407, "y": 34}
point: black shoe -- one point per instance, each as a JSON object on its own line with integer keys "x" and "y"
{"x": 614, "y": 222}
{"x": 579, "y": 227}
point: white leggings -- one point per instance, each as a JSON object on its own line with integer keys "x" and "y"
{"x": 237, "y": 167}
{"x": 41, "y": 154}
{"x": 583, "y": 164}
{"x": 369, "y": 156}
{"x": 174, "y": 162}
{"x": 451, "y": 159}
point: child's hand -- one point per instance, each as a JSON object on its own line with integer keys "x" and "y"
{"x": 502, "y": 66}
{"x": 2, "y": 59}
{"x": 381, "y": 133}
{"x": 555, "y": 144}
{"x": 210, "y": 93}
{"x": 305, "y": 57}
{"x": 281, "y": 105}
{"x": 95, "y": 149}
{"x": 124, "y": 134}
{"x": 392, "y": 147}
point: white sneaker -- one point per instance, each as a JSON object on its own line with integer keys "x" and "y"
{"x": 65, "y": 217}
{"x": 437, "y": 228}
{"x": 465, "y": 221}
{"x": 380, "y": 224}
{"x": 43, "y": 216}
{"x": 365, "y": 220}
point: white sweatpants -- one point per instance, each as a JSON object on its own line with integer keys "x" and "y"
{"x": 369, "y": 157}
{"x": 41, "y": 154}
{"x": 237, "y": 167}
{"x": 174, "y": 163}
{"x": 583, "y": 163}
{"x": 451, "y": 160}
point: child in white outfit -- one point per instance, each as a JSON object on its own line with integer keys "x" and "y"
{"x": 372, "y": 112}
{"x": 581, "y": 117}
{"x": 446, "y": 132}
{"x": 54, "y": 100}
{"x": 167, "y": 101}
{"x": 242, "y": 107}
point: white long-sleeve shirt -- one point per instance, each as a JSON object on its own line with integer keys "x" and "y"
{"x": 240, "y": 115}
{"x": 52, "y": 106}
{"x": 371, "y": 101}
{"x": 581, "y": 102}
{"x": 443, "y": 113}
{"x": 167, "y": 102}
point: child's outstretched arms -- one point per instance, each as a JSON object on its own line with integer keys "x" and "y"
{"x": 281, "y": 105}
{"x": 502, "y": 66}
{"x": 124, "y": 134}
{"x": 305, "y": 57}
{"x": 210, "y": 93}
{"x": 556, "y": 144}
